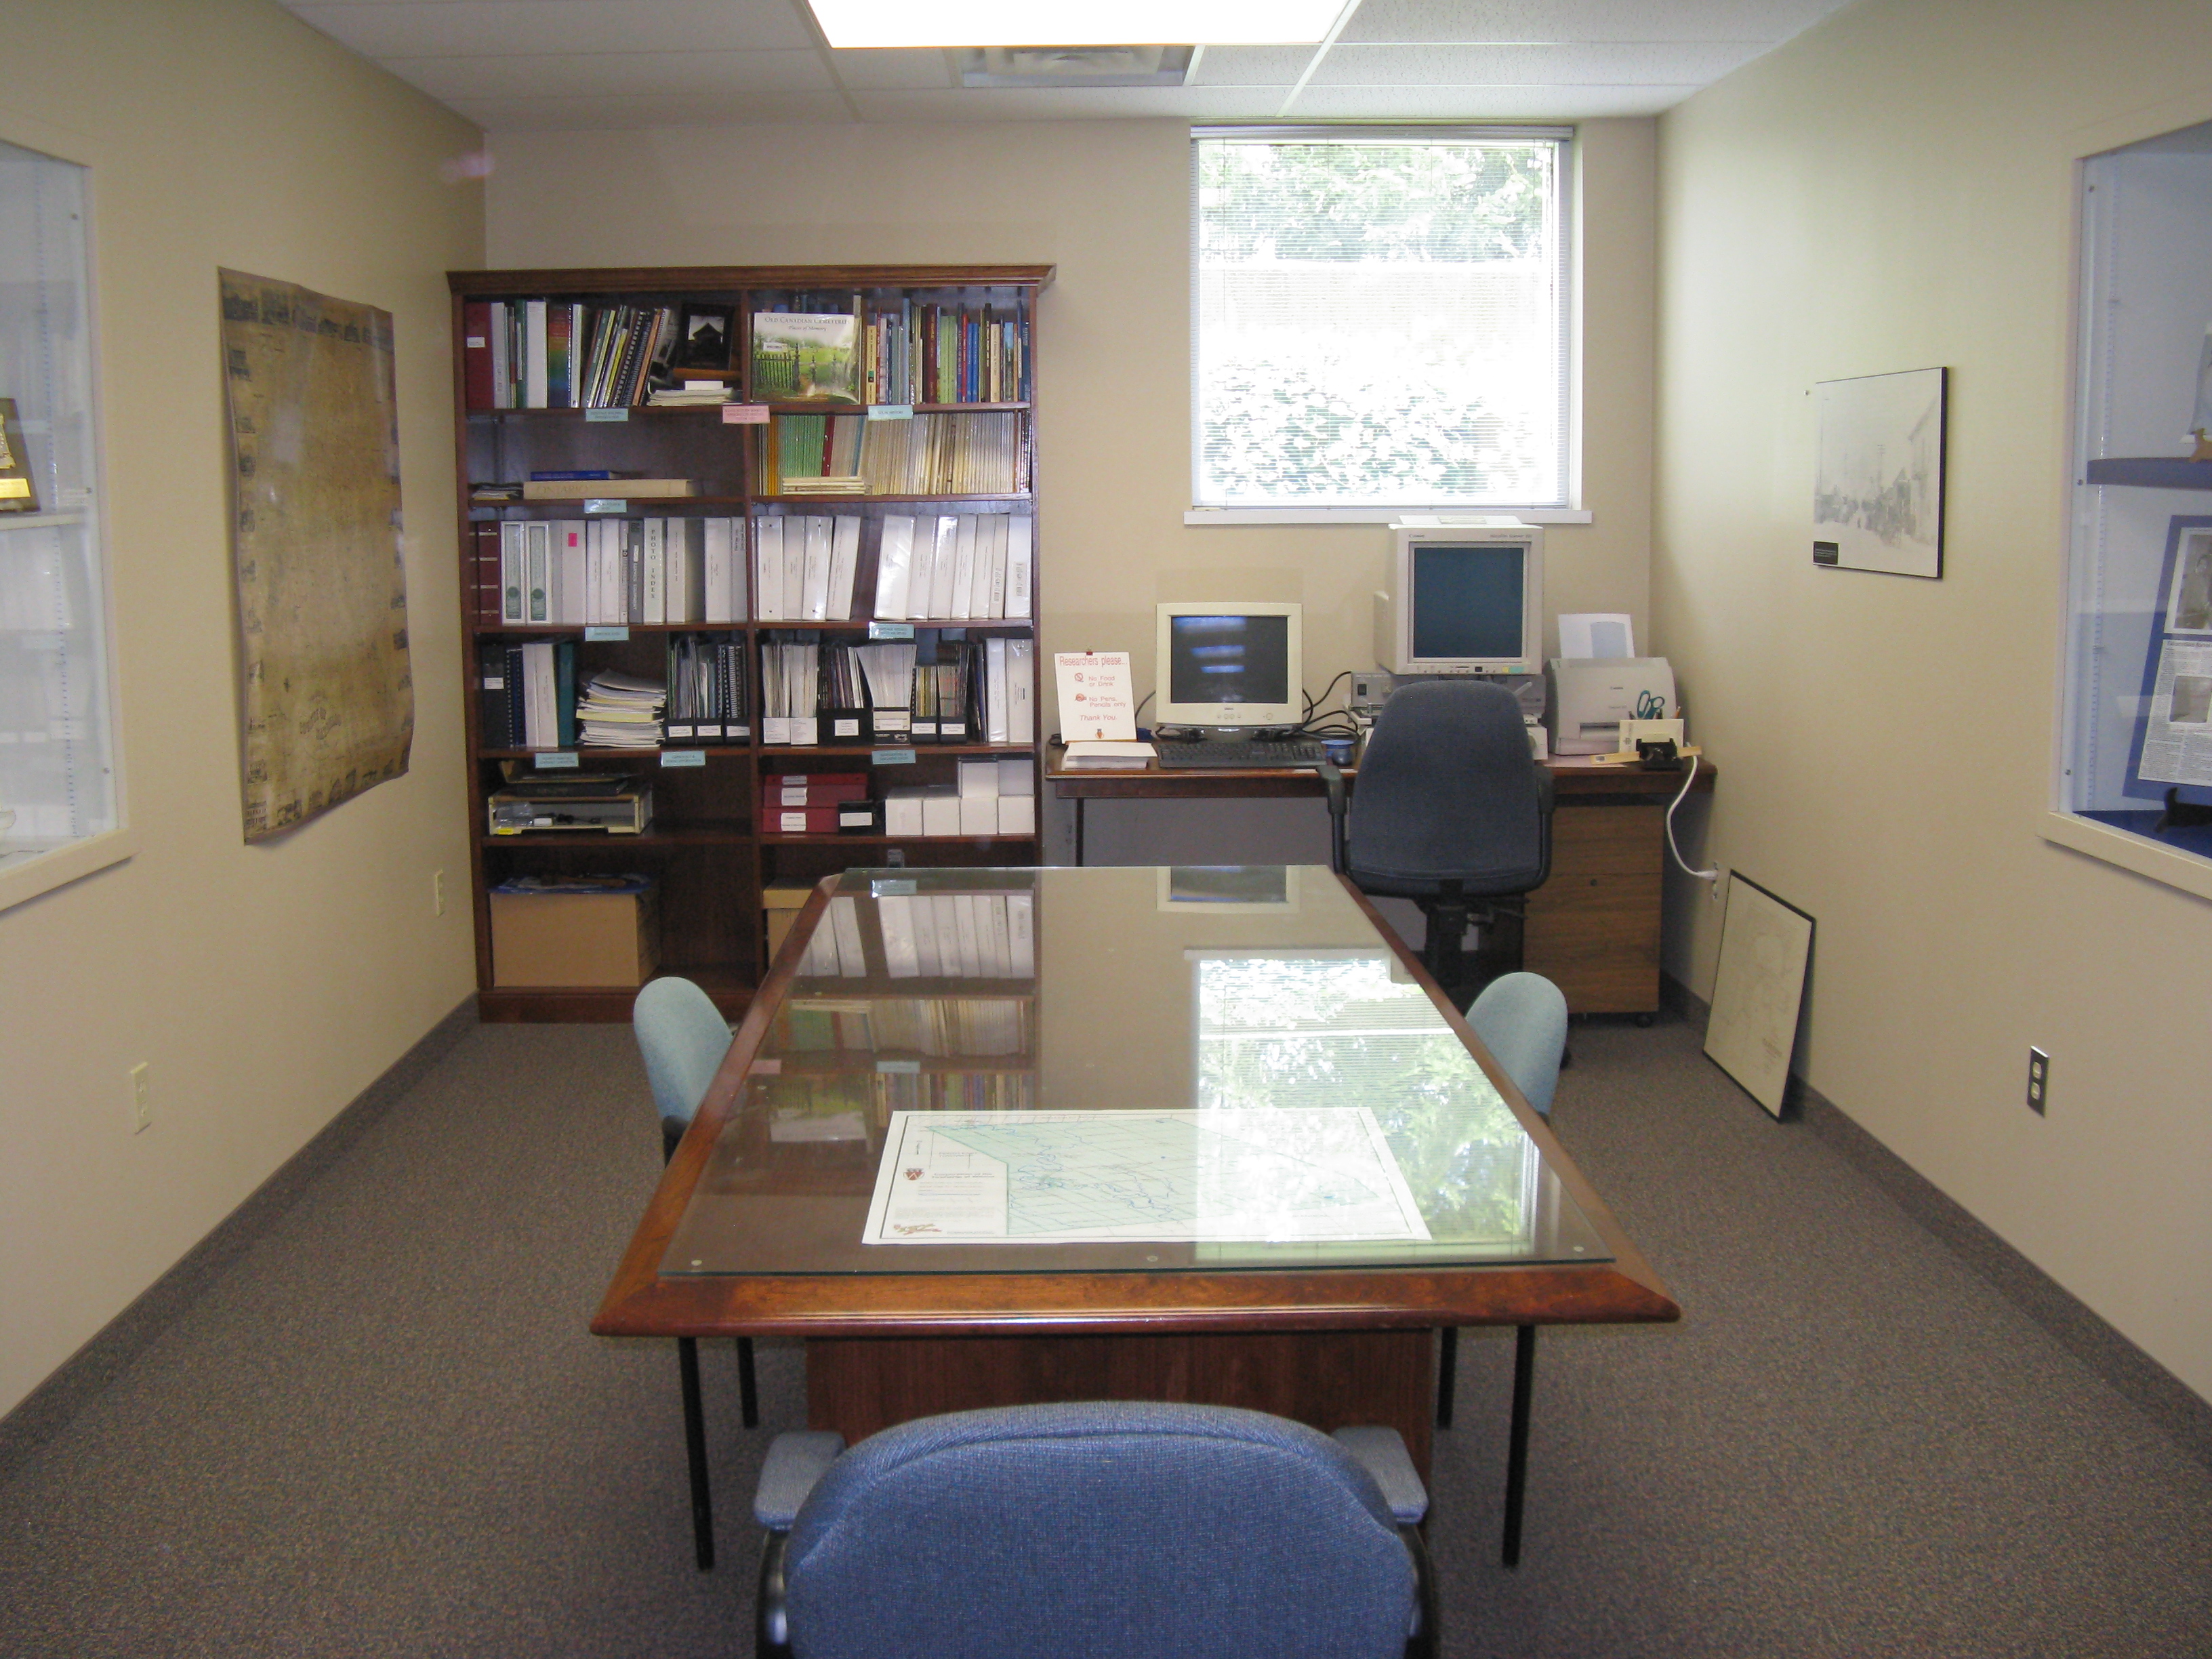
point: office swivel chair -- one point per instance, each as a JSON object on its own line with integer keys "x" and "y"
{"x": 683, "y": 1037}
{"x": 1452, "y": 812}
{"x": 1112, "y": 1530}
{"x": 1521, "y": 1019}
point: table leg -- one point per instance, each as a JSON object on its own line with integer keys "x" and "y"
{"x": 1447, "y": 1373}
{"x": 1516, "y": 1445}
{"x": 695, "y": 1450}
{"x": 748, "y": 1389}
{"x": 1079, "y": 830}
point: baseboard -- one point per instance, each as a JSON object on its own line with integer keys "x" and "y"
{"x": 49, "y": 1408}
{"x": 2182, "y": 1414}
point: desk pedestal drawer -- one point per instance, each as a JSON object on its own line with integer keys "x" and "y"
{"x": 1331, "y": 1379}
{"x": 1594, "y": 927}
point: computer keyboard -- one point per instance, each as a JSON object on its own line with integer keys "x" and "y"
{"x": 1229, "y": 754}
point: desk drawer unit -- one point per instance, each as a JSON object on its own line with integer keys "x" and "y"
{"x": 1594, "y": 927}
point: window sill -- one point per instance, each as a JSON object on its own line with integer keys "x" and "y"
{"x": 63, "y": 864}
{"x": 1378, "y": 514}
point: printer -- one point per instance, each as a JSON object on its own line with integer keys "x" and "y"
{"x": 1590, "y": 696}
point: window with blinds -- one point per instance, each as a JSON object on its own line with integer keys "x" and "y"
{"x": 1381, "y": 318}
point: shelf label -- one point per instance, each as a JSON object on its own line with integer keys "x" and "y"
{"x": 882, "y": 630}
{"x": 892, "y": 887}
{"x": 891, "y": 757}
{"x": 683, "y": 757}
{"x": 557, "y": 759}
{"x": 602, "y": 633}
{"x": 606, "y": 414}
{"x": 745, "y": 413}
{"x": 890, "y": 411}
{"x": 899, "y": 1067}
{"x": 604, "y": 504}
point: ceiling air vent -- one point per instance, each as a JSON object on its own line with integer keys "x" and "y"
{"x": 1072, "y": 66}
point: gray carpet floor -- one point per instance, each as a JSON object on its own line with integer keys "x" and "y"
{"x": 384, "y": 1430}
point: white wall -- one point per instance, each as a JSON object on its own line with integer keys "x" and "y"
{"x": 1108, "y": 203}
{"x": 264, "y": 986}
{"x": 1895, "y": 191}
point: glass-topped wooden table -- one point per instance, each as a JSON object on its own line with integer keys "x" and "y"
{"x": 1191, "y": 1133}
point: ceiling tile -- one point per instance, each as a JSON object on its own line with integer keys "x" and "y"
{"x": 565, "y": 75}
{"x": 494, "y": 28}
{"x": 498, "y": 115}
{"x": 1639, "y": 64}
{"x": 1483, "y": 103}
{"x": 1414, "y": 22}
{"x": 894, "y": 71}
{"x": 1251, "y": 66}
{"x": 1071, "y": 103}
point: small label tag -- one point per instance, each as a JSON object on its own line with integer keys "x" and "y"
{"x": 745, "y": 413}
{"x": 794, "y": 823}
{"x": 1827, "y": 552}
{"x": 891, "y": 757}
{"x": 601, "y": 632}
{"x": 899, "y": 1067}
{"x": 893, "y": 887}
{"x": 954, "y": 731}
{"x": 737, "y": 730}
{"x": 776, "y": 728}
{"x": 683, "y": 757}
{"x": 891, "y": 722}
{"x": 606, "y": 414}
{"x": 555, "y": 760}
{"x": 890, "y": 411}
{"x": 844, "y": 728}
{"x": 925, "y": 728}
{"x": 881, "y": 631}
{"x": 805, "y": 731}
{"x": 477, "y": 342}
{"x": 604, "y": 504}
{"x": 676, "y": 731}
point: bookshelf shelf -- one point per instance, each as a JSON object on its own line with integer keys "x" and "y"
{"x": 525, "y": 338}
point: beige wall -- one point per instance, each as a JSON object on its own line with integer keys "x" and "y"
{"x": 1895, "y": 191}
{"x": 266, "y": 986}
{"x": 1108, "y": 203}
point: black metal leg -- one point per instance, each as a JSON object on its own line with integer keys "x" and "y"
{"x": 747, "y": 1393}
{"x": 695, "y": 1450}
{"x": 1447, "y": 1374}
{"x": 1078, "y": 830}
{"x": 1516, "y": 1445}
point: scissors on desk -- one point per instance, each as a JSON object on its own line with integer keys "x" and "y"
{"x": 1651, "y": 706}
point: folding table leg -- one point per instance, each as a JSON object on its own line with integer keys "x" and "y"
{"x": 1516, "y": 1445}
{"x": 695, "y": 1450}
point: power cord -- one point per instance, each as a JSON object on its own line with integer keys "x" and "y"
{"x": 1713, "y": 874}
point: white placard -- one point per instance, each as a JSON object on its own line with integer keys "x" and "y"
{"x": 1095, "y": 701}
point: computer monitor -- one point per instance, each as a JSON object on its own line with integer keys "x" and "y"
{"x": 1464, "y": 598}
{"x": 1227, "y": 664}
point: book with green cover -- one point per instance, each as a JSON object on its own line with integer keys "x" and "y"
{"x": 798, "y": 355}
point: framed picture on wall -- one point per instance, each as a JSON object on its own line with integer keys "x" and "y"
{"x": 1878, "y": 473}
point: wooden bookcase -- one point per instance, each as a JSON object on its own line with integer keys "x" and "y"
{"x": 711, "y": 848}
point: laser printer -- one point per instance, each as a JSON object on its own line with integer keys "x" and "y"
{"x": 1587, "y": 698}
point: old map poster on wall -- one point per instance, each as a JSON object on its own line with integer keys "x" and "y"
{"x": 328, "y": 700}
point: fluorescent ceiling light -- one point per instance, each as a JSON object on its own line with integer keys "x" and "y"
{"x": 1074, "y": 23}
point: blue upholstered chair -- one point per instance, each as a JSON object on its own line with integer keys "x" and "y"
{"x": 1453, "y": 812}
{"x": 684, "y": 1037}
{"x": 1114, "y": 1530}
{"x": 1521, "y": 1019}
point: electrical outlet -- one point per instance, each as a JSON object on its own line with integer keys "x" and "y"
{"x": 141, "y": 1100}
{"x": 2039, "y": 1080}
{"x": 437, "y": 892}
{"x": 1718, "y": 887}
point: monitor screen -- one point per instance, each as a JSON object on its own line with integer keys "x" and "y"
{"x": 1467, "y": 599}
{"x": 1229, "y": 659}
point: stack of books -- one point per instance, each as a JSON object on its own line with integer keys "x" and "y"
{"x": 621, "y": 711}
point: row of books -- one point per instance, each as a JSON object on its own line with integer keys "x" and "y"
{"x": 971, "y": 691}
{"x": 976, "y": 566}
{"x": 571, "y": 572}
{"x": 935, "y": 1026}
{"x": 913, "y": 353}
{"x": 532, "y": 699}
{"x": 928, "y": 936}
{"x": 934, "y": 454}
{"x": 552, "y": 354}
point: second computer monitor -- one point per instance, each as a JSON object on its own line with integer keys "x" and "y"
{"x": 1229, "y": 663}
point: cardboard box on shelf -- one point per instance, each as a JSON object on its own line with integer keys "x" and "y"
{"x": 780, "y": 903}
{"x": 600, "y": 932}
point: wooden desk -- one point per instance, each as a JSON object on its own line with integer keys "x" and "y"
{"x": 1593, "y": 928}
{"x": 757, "y": 1233}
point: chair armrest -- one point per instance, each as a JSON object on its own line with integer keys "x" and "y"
{"x": 1382, "y": 1453}
{"x": 794, "y": 1463}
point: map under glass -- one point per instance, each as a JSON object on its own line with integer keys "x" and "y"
{"x": 1209, "y": 1175}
